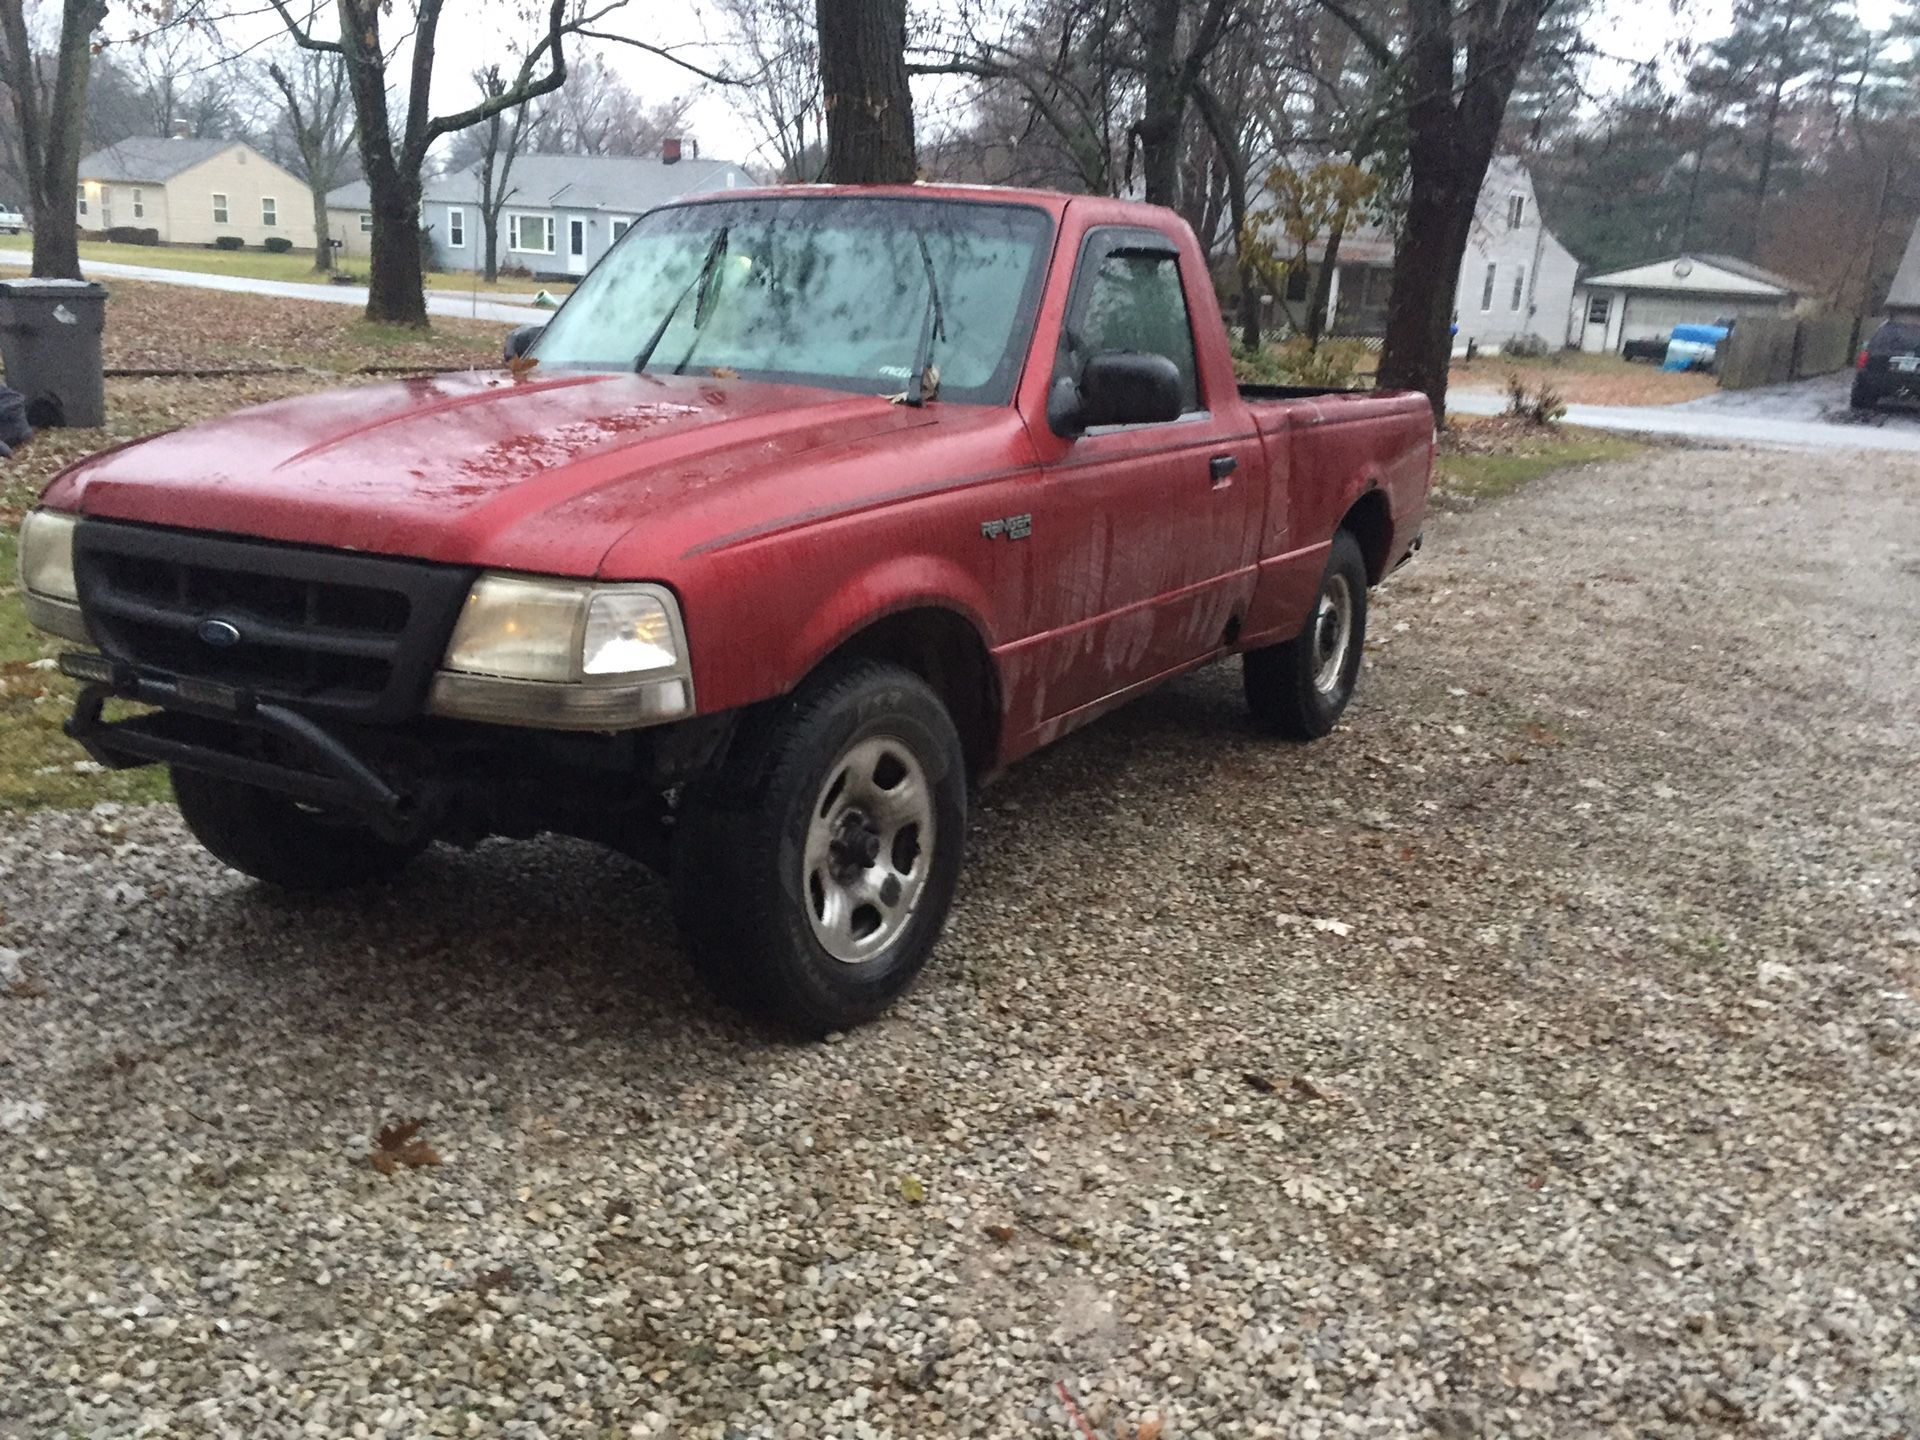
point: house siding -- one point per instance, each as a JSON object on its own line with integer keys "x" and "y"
{"x": 181, "y": 208}
{"x": 1528, "y": 252}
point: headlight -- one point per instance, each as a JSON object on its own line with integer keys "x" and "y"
{"x": 47, "y": 588}
{"x": 46, "y": 555}
{"x": 565, "y": 654}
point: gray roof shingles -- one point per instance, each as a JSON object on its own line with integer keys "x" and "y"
{"x": 620, "y": 183}
{"x": 149, "y": 157}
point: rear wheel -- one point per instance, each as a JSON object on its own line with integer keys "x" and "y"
{"x": 812, "y": 878}
{"x": 282, "y": 842}
{"x": 1299, "y": 688}
{"x": 1864, "y": 396}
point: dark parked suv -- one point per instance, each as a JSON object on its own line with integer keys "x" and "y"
{"x": 1889, "y": 365}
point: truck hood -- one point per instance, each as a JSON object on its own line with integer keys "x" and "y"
{"x": 481, "y": 468}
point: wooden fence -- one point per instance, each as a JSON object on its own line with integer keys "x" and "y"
{"x": 1770, "y": 349}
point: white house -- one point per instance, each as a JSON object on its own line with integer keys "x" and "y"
{"x": 1903, "y": 296}
{"x": 1516, "y": 278}
{"x": 1645, "y": 301}
{"x": 562, "y": 212}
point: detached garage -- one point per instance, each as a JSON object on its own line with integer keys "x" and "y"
{"x": 1645, "y": 302}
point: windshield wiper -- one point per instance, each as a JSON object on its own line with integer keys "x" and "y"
{"x": 916, "y": 392}
{"x": 715, "y": 252}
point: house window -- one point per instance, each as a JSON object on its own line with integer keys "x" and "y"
{"x": 456, "y": 228}
{"x": 139, "y": 205}
{"x": 219, "y": 208}
{"x": 530, "y": 233}
{"x": 1519, "y": 286}
{"x": 1486, "y": 290}
{"x": 83, "y": 199}
{"x": 1296, "y": 284}
{"x": 366, "y": 223}
{"x": 269, "y": 211}
{"x": 1516, "y": 210}
{"x": 619, "y": 227}
{"x": 1598, "y": 309}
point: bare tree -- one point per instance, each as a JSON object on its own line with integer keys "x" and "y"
{"x": 1454, "y": 74}
{"x": 48, "y": 99}
{"x": 317, "y": 115}
{"x": 504, "y": 137}
{"x": 597, "y": 113}
{"x": 782, "y": 99}
{"x": 394, "y": 146}
{"x": 863, "y": 81}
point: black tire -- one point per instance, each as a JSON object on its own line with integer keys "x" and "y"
{"x": 1864, "y": 396}
{"x": 1286, "y": 688}
{"x": 748, "y": 890}
{"x": 284, "y": 844}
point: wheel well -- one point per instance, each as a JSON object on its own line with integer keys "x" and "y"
{"x": 1371, "y": 523}
{"x": 942, "y": 648}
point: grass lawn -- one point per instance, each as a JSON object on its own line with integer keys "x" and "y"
{"x": 1585, "y": 379}
{"x": 158, "y": 327}
{"x": 1484, "y": 458}
{"x": 263, "y": 265}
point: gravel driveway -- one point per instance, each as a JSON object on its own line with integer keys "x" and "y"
{"x": 1536, "y": 1056}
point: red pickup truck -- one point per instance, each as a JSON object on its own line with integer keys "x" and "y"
{"x": 807, "y": 509}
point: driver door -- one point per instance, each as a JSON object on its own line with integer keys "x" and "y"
{"x": 1146, "y": 535}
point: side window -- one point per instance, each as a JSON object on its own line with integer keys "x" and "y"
{"x": 1132, "y": 300}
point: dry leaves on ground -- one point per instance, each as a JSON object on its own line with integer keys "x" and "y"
{"x": 401, "y": 1144}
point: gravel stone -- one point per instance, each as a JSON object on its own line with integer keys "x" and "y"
{"x": 1535, "y": 1056}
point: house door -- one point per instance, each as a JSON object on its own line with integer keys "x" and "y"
{"x": 576, "y": 246}
{"x": 1593, "y": 334}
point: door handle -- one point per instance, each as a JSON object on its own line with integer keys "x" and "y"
{"x": 1220, "y": 469}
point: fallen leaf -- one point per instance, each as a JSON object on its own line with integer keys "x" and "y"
{"x": 400, "y": 1144}
{"x": 1309, "y": 1088}
{"x": 1149, "y": 1429}
{"x": 1000, "y": 1234}
{"x": 1260, "y": 1083}
{"x": 913, "y": 1189}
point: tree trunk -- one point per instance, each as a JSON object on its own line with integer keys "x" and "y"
{"x": 1320, "y": 298}
{"x": 50, "y": 127}
{"x": 863, "y": 78}
{"x": 396, "y": 288}
{"x": 322, "y": 241}
{"x": 1164, "y": 106}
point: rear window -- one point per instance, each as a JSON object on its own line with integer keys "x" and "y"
{"x": 1895, "y": 337}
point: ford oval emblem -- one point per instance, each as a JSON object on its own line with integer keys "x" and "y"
{"x": 221, "y": 634}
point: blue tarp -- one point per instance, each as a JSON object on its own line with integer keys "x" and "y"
{"x": 1693, "y": 347}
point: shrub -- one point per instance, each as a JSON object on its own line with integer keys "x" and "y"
{"x": 278, "y": 244}
{"x": 1335, "y": 364}
{"x": 132, "y": 235}
{"x": 228, "y": 242}
{"x": 517, "y": 272}
{"x": 1541, "y": 406}
{"x": 1527, "y": 347}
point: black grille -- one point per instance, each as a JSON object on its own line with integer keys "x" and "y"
{"x": 326, "y": 630}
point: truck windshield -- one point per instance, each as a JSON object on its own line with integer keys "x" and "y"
{"x": 825, "y": 290}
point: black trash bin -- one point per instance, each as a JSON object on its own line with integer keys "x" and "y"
{"x": 50, "y": 345}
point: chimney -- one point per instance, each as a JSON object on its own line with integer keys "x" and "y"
{"x": 670, "y": 150}
{"x": 182, "y": 130}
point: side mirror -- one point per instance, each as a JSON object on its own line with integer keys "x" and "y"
{"x": 520, "y": 339}
{"x": 1117, "y": 387}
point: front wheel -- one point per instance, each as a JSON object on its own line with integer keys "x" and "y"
{"x": 1298, "y": 688}
{"x": 813, "y": 875}
{"x": 282, "y": 842}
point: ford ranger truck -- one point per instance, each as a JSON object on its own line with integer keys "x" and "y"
{"x": 807, "y": 510}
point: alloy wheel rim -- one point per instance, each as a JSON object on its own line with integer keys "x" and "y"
{"x": 869, "y": 846}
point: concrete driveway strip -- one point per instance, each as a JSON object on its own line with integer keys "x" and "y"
{"x": 451, "y": 304}
{"x": 1787, "y": 423}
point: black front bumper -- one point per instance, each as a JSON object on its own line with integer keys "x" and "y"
{"x": 216, "y": 728}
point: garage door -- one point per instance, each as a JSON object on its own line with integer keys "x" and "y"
{"x": 1652, "y": 317}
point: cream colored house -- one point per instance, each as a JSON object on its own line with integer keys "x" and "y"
{"x": 192, "y": 191}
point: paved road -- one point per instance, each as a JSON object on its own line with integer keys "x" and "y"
{"x": 1808, "y": 414}
{"x": 446, "y": 303}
